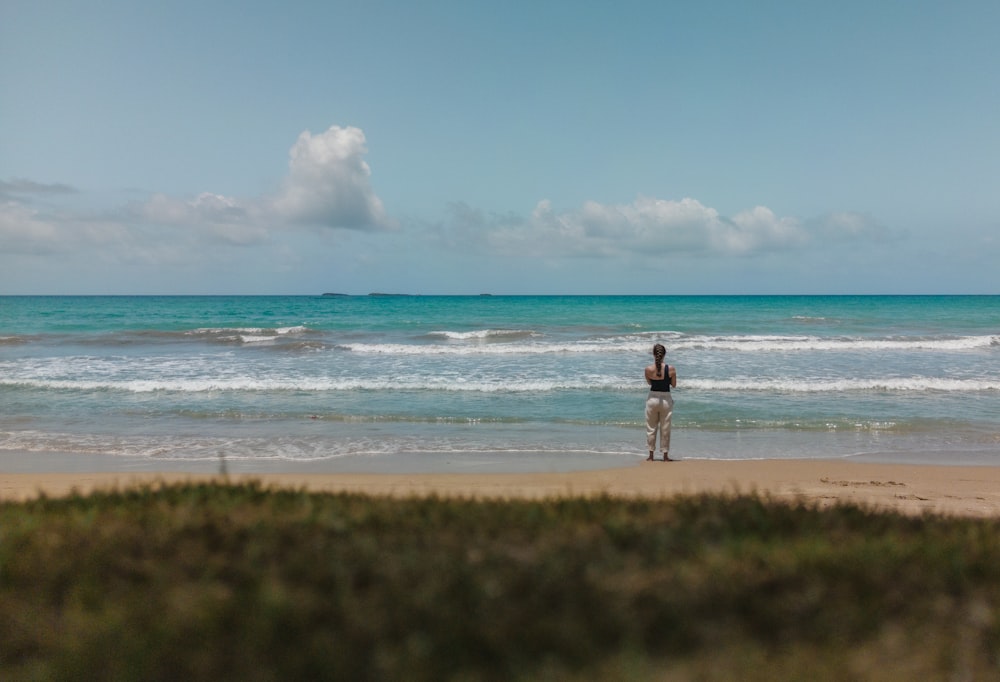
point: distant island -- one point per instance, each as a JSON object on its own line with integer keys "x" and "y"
{"x": 374, "y": 293}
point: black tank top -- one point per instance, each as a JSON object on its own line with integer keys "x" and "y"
{"x": 663, "y": 384}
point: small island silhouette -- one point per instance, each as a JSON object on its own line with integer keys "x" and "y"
{"x": 374, "y": 293}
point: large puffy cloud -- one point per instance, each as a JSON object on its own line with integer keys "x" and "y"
{"x": 328, "y": 185}
{"x": 329, "y": 182}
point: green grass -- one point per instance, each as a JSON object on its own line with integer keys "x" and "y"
{"x": 241, "y": 582}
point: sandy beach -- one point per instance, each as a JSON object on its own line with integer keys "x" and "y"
{"x": 912, "y": 489}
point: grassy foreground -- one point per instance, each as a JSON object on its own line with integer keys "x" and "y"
{"x": 241, "y": 582}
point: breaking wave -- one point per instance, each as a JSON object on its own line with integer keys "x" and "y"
{"x": 640, "y": 344}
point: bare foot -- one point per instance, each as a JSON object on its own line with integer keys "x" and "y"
{"x": 667, "y": 458}
{"x": 650, "y": 458}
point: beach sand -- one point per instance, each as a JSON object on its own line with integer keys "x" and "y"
{"x": 909, "y": 488}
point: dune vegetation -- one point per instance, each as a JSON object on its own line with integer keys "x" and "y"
{"x": 218, "y": 581}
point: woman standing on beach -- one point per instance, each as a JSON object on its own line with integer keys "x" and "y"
{"x": 660, "y": 403}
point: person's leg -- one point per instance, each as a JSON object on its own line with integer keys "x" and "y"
{"x": 652, "y": 424}
{"x": 666, "y": 416}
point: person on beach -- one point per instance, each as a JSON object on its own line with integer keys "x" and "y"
{"x": 660, "y": 403}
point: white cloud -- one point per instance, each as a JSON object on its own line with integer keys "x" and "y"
{"x": 213, "y": 215}
{"x": 759, "y": 229}
{"x": 329, "y": 182}
{"x": 23, "y": 230}
{"x": 21, "y": 186}
{"x": 846, "y": 225}
{"x": 205, "y": 208}
{"x": 646, "y": 226}
{"x": 328, "y": 185}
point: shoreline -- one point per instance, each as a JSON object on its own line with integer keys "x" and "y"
{"x": 958, "y": 490}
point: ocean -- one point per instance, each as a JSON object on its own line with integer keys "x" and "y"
{"x": 363, "y": 382}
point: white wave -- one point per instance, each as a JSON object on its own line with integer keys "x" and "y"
{"x": 756, "y": 343}
{"x": 478, "y": 349}
{"x": 414, "y": 383}
{"x": 918, "y": 384}
{"x": 509, "y": 385}
{"x": 481, "y": 334}
{"x": 249, "y": 335}
{"x": 640, "y": 344}
{"x": 250, "y": 339}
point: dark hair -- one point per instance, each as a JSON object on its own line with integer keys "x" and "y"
{"x": 659, "y": 352}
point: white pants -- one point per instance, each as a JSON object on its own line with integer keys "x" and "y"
{"x": 659, "y": 410}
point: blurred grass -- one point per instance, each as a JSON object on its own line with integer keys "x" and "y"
{"x": 214, "y": 581}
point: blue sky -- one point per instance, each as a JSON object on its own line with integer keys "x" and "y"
{"x": 512, "y": 148}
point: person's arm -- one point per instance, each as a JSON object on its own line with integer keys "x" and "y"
{"x": 649, "y": 379}
{"x": 673, "y": 375}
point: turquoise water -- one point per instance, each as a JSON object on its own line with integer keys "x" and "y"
{"x": 320, "y": 378}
